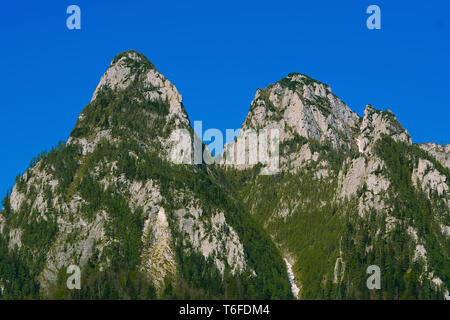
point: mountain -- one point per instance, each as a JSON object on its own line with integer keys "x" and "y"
{"x": 137, "y": 225}
{"x": 349, "y": 192}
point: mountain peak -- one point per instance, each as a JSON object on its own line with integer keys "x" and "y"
{"x": 133, "y": 56}
{"x": 377, "y": 123}
{"x": 295, "y": 80}
{"x": 369, "y": 110}
{"x": 298, "y": 104}
{"x": 300, "y": 108}
{"x": 123, "y": 70}
{"x": 134, "y": 96}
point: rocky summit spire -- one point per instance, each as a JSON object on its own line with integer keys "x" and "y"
{"x": 298, "y": 104}
{"x": 133, "y": 100}
{"x": 133, "y": 71}
{"x": 301, "y": 109}
{"x": 377, "y": 123}
{"x": 123, "y": 70}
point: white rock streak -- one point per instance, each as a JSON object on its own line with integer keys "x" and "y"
{"x": 294, "y": 288}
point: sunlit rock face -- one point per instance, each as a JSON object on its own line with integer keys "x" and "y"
{"x": 441, "y": 153}
{"x": 377, "y": 123}
{"x": 300, "y": 105}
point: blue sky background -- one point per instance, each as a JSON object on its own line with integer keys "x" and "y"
{"x": 218, "y": 53}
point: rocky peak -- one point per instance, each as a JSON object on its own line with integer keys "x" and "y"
{"x": 298, "y": 104}
{"x": 300, "y": 108}
{"x": 123, "y": 70}
{"x": 131, "y": 66}
{"x": 377, "y": 123}
{"x": 133, "y": 99}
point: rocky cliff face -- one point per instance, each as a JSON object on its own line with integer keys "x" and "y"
{"x": 441, "y": 153}
{"x": 375, "y": 124}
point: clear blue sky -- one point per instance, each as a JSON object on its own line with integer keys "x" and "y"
{"x": 218, "y": 53}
